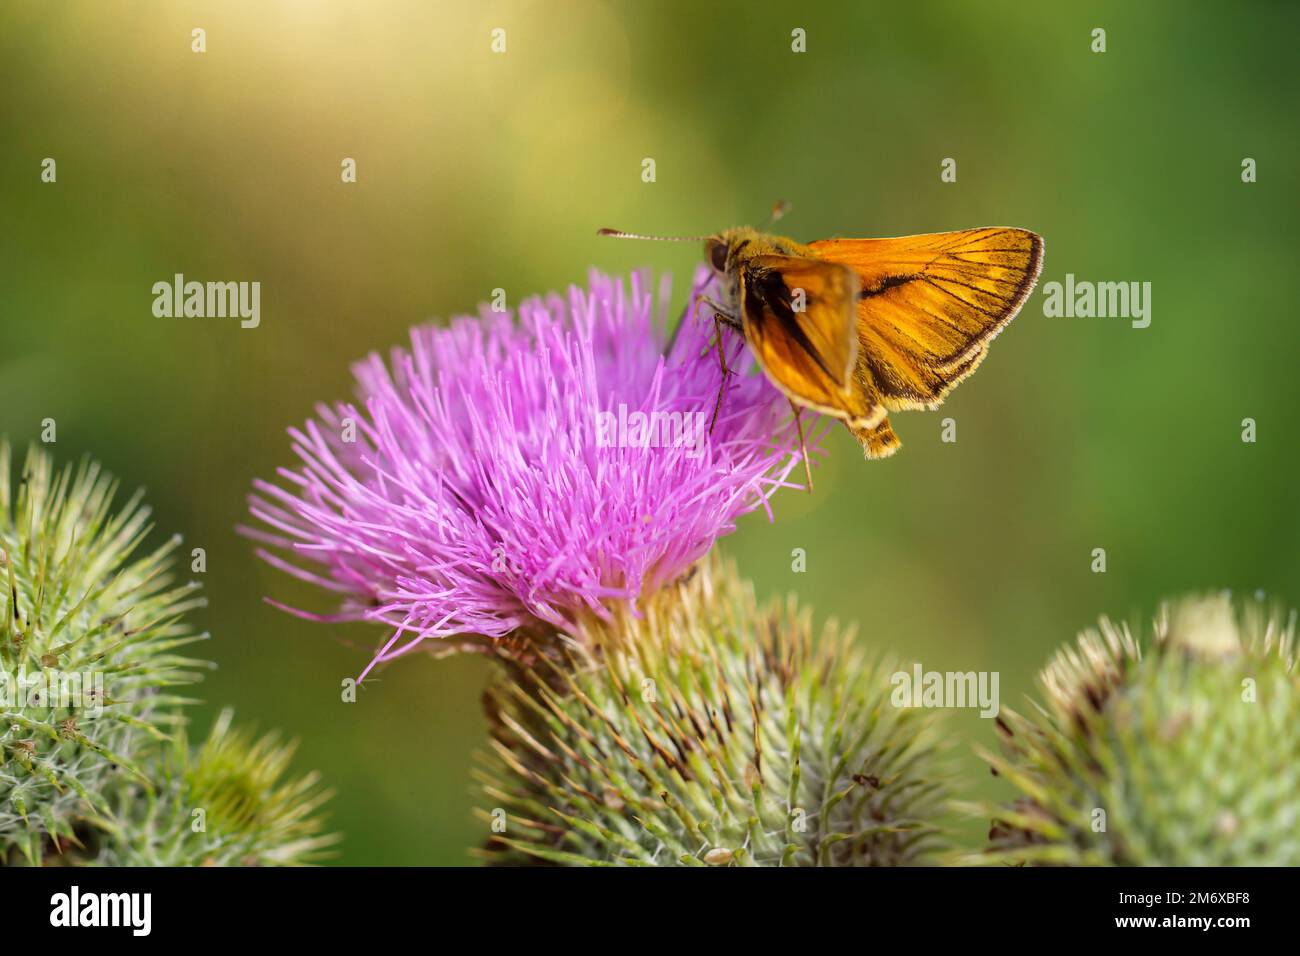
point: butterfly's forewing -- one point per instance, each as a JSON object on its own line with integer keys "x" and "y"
{"x": 800, "y": 321}
{"x": 929, "y": 305}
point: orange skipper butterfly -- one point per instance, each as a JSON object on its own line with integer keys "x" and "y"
{"x": 859, "y": 328}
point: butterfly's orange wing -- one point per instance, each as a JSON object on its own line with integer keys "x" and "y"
{"x": 929, "y": 305}
{"x": 800, "y": 320}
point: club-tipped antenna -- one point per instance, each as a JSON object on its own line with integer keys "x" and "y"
{"x": 779, "y": 209}
{"x": 620, "y": 234}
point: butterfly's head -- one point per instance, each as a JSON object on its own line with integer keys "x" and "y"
{"x": 717, "y": 251}
{"x": 726, "y": 251}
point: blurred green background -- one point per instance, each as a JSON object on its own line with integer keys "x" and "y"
{"x": 478, "y": 170}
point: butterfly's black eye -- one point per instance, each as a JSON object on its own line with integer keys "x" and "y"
{"x": 718, "y": 256}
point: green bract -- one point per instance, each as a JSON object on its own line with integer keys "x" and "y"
{"x": 90, "y": 634}
{"x": 1179, "y": 749}
{"x": 224, "y": 803}
{"x": 707, "y": 732}
{"x": 93, "y": 766}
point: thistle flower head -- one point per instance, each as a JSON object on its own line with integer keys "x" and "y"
{"x": 90, "y": 629}
{"x": 1176, "y": 747}
{"x": 231, "y": 801}
{"x": 710, "y": 731}
{"x": 504, "y": 472}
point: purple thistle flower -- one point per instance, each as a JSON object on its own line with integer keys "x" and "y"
{"x": 500, "y": 473}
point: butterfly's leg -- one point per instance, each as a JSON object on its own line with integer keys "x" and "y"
{"x": 726, "y": 372}
{"x": 803, "y": 447}
{"x": 727, "y": 318}
{"x": 721, "y": 316}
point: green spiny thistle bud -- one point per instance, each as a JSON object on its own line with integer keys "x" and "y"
{"x": 225, "y": 803}
{"x": 1177, "y": 750}
{"x": 707, "y": 732}
{"x": 89, "y": 637}
{"x": 95, "y": 766}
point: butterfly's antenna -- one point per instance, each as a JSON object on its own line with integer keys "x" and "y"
{"x": 779, "y": 209}
{"x": 620, "y": 234}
